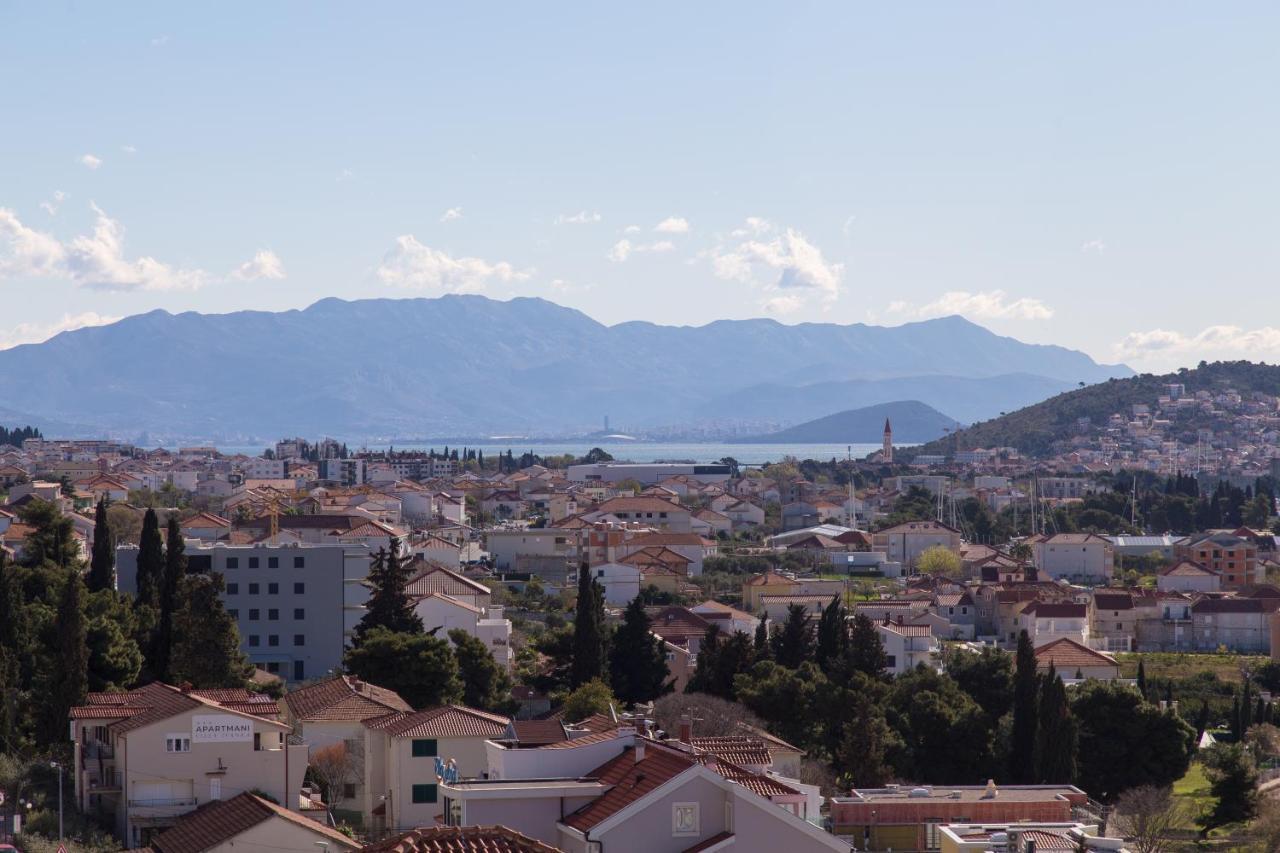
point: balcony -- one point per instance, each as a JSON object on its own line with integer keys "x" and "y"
{"x": 104, "y": 782}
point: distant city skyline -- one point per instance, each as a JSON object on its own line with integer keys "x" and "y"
{"x": 1100, "y": 177}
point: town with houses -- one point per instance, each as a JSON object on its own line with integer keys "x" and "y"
{"x": 757, "y": 595}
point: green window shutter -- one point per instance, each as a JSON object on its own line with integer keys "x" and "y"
{"x": 424, "y": 747}
{"x": 424, "y": 793}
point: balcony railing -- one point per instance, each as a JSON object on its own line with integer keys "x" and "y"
{"x": 172, "y": 802}
{"x": 108, "y": 780}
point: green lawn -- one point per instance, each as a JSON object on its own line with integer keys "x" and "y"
{"x": 1183, "y": 665}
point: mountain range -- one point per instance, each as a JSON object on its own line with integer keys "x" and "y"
{"x": 469, "y": 365}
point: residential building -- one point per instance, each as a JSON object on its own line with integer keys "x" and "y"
{"x": 1240, "y": 625}
{"x": 460, "y": 839}
{"x": 512, "y": 550}
{"x": 646, "y": 474}
{"x": 905, "y": 542}
{"x": 1077, "y": 557}
{"x": 906, "y": 819}
{"x": 1113, "y": 621}
{"x": 1045, "y": 622}
{"x": 247, "y": 822}
{"x": 906, "y": 646}
{"x": 1075, "y": 662}
{"x": 145, "y": 757}
{"x": 653, "y": 512}
{"x": 1188, "y": 576}
{"x": 296, "y": 606}
{"x": 1233, "y": 557}
{"x": 1026, "y": 836}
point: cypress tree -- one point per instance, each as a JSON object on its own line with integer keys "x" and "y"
{"x": 763, "y": 648}
{"x": 833, "y": 636}
{"x": 1022, "y": 748}
{"x": 866, "y": 651}
{"x": 1246, "y": 709}
{"x": 206, "y": 643}
{"x": 1236, "y": 733}
{"x": 175, "y": 567}
{"x": 150, "y": 560}
{"x": 588, "y": 631}
{"x": 1202, "y": 719}
{"x": 1058, "y": 738}
{"x": 68, "y": 669}
{"x": 637, "y": 660}
{"x": 389, "y": 605}
{"x": 795, "y": 641}
{"x": 1142, "y": 678}
{"x": 102, "y": 565}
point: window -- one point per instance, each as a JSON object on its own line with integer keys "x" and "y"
{"x": 348, "y": 788}
{"x": 254, "y": 588}
{"x": 253, "y": 614}
{"x": 253, "y": 562}
{"x": 424, "y": 747}
{"x": 299, "y": 639}
{"x": 177, "y": 743}
{"x": 273, "y": 666}
{"x": 253, "y": 640}
{"x": 233, "y": 589}
{"x": 299, "y": 588}
{"x": 273, "y": 589}
{"x": 684, "y": 819}
{"x": 273, "y": 614}
{"x": 299, "y": 562}
{"x": 424, "y": 793}
{"x": 233, "y": 562}
{"x": 273, "y": 562}
{"x": 299, "y": 670}
{"x": 273, "y": 639}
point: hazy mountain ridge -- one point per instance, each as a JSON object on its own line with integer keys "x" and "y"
{"x": 912, "y": 422}
{"x": 468, "y": 364}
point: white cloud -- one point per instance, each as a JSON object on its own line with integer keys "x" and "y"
{"x": 90, "y": 260}
{"x": 410, "y": 264}
{"x": 264, "y": 264}
{"x": 985, "y": 305}
{"x": 51, "y": 206}
{"x": 582, "y": 217}
{"x": 34, "y": 333}
{"x": 90, "y": 161}
{"x": 1096, "y": 247}
{"x": 753, "y": 227}
{"x": 631, "y": 229}
{"x": 672, "y": 225}
{"x": 451, "y": 214}
{"x": 128, "y": 149}
{"x": 160, "y": 41}
{"x": 345, "y": 175}
{"x": 798, "y": 263}
{"x": 1211, "y": 343}
{"x": 624, "y": 249}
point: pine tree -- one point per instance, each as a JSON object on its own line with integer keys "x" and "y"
{"x": 833, "y": 636}
{"x": 863, "y": 753}
{"x": 866, "y": 651}
{"x": 102, "y": 566}
{"x": 589, "y": 649}
{"x": 637, "y": 659}
{"x": 389, "y": 605}
{"x": 1057, "y": 739}
{"x": 1022, "y": 748}
{"x": 704, "y": 670}
{"x": 68, "y": 668}
{"x": 150, "y": 571}
{"x": 206, "y": 643}
{"x": 485, "y": 684}
{"x": 795, "y": 641}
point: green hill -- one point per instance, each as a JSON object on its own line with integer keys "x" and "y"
{"x": 912, "y": 421}
{"x": 1037, "y": 428}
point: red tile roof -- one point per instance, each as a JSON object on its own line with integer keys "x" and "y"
{"x": 461, "y": 839}
{"x": 220, "y": 821}
{"x": 1067, "y": 656}
{"x": 154, "y": 702}
{"x": 630, "y": 780}
{"x": 343, "y": 698}
{"x": 443, "y": 722}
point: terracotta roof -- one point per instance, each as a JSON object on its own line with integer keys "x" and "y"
{"x": 445, "y": 721}
{"x": 342, "y": 698}
{"x": 154, "y": 702}
{"x": 906, "y": 630}
{"x": 538, "y": 732}
{"x": 1067, "y": 656}
{"x": 1186, "y": 568}
{"x": 640, "y": 504}
{"x": 738, "y": 749}
{"x": 757, "y": 783}
{"x": 461, "y": 839}
{"x": 436, "y": 578}
{"x": 630, "y": 780}
{"x": 219, "y": 821}
{"x": 1050, "y": 610}
{"x": 1112, "y": 601}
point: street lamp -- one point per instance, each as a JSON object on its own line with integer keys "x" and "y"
{"x": 56, "y": 766}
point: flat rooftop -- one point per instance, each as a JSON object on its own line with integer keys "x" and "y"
{"x": 962, "y": 793}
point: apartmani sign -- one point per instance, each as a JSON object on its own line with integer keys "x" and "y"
{"x": 220, "y": 728}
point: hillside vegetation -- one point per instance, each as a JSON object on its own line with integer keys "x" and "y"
{"x": 1035, "y": 429}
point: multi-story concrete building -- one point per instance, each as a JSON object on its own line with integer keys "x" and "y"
{"x": 905, "y": 542}
{"x": 296, "y": 606}
{"x": 146, "y": 757}
{"x": 1078, "y": 557}
{"x": 1233, "y": 557}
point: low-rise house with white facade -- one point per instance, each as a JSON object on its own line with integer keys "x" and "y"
{"x": 247, "y": 822}
{"x": 1077, "y": 557}
{"x": 909, "y": 645}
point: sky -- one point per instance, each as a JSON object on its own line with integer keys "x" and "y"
{"x": 1101, "y": 176}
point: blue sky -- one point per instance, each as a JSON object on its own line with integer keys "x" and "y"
{"x": 1097, "y": 175}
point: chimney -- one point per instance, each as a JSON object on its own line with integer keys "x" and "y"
{"x": 991, "y": 792}
{"x": 357, "y": 685}
{"x": 686, "y": 728}
{"x": 639, "y": 750}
